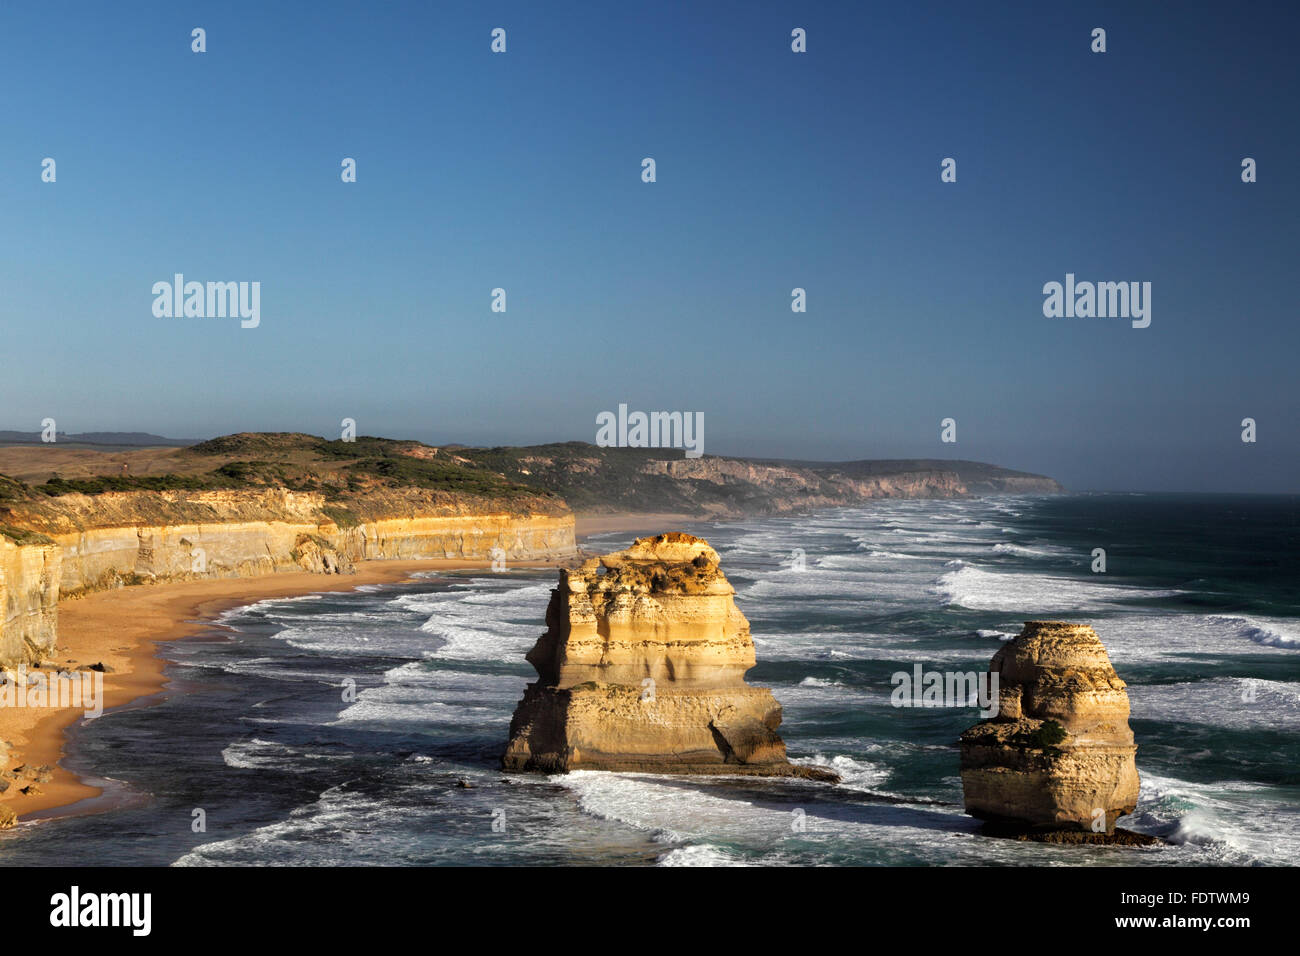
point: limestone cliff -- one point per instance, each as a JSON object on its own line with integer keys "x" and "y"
{"x": 73, "y": 544}
{"x": 29, "y": 597}
{"x": 642, "y": 668}
{"x": 1059, "y": 756}
{"x": 115, "y": 538}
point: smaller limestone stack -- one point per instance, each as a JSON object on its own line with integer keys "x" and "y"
{"x": 642, "y": 668}
{"x": 1060, "y": 747}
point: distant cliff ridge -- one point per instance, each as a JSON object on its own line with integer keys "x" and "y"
{"x": 594, "y": 479}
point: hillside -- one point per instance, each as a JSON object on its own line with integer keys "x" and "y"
{"x": 356, "y": 479}
{"x": 368, "y": 475}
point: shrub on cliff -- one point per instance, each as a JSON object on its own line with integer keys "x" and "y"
{"x": 94, "y": 486}
{"x": 437, "y": 475}
{"x": 21, "y": 536}
{"x": 11, "y": 489}
{"x": 342, "y": 517}
{"x": 1048, "y": 735}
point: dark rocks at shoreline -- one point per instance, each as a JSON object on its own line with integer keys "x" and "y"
{"x": 1120, "y": 836}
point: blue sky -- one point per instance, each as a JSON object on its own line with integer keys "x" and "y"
{"x": 775, "y": 170}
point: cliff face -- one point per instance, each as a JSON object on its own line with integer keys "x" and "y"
{"x": 1060, "y": 755}
{"x": 642, "y": 668}
{"x": 29, "y": 597}
{"x": 778, "y": 488}
{"x": 92, "y": 542}
{"x": 117, "y": 538}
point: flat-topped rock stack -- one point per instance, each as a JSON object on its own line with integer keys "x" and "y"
{"x": 642, "y": 669}
{"x": 1059, "y": 758}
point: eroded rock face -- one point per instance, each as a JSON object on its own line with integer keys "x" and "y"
{"x": 1060, "y": 754}
{"x": 642, "y": 668}
{"x": 29, "y": 598}
{"x": 315, "y": 554}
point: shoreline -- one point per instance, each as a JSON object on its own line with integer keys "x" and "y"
{"x": 122, "y": 628}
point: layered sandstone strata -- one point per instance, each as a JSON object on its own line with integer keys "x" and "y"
{"x": 1059, "y": 756}
{"x": 642, "y": 668}
{"x": 107, "y": 540}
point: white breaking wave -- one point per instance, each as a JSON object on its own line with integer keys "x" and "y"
{"x": 257, "y": 754}
{"x": 818, "y": 682}
{"x": 1023, "y": 551}
{"x": 699, "y": 855}
{"x": 1272, "y": 632}
{"x": 855, "y": 774}
{"x": 270, "y": 604}
{"x": 1033, "y": 594}
{"x": 1234, "y": 823}
{"x": 1232, "y": 702}
{"x": 494, "y": 625}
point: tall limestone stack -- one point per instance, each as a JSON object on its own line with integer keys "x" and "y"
{"x": 1060, "y": 748}
{"x": 642, "y": 668}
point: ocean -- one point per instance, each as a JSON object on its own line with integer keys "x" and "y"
{"x": 256, "y": 757}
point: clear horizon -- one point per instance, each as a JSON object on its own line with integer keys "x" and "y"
{"x": 774, "y": 171}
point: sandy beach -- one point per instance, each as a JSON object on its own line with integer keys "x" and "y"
{"x": 640, "y": 524}
{"x": 119, "y": 629}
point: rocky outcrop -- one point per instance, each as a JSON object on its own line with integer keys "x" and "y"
{"x": 315, "y": 554}
{"x": 642, "y": 668}
{"x": 29, "y": 598}
{"x": 1059, "y": 756}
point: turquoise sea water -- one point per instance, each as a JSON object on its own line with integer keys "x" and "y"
{"x": 1199, "y": 608}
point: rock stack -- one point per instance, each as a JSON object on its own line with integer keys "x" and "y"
{"x": 1059, "y": 756}
{"x": 642, "y": 668}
